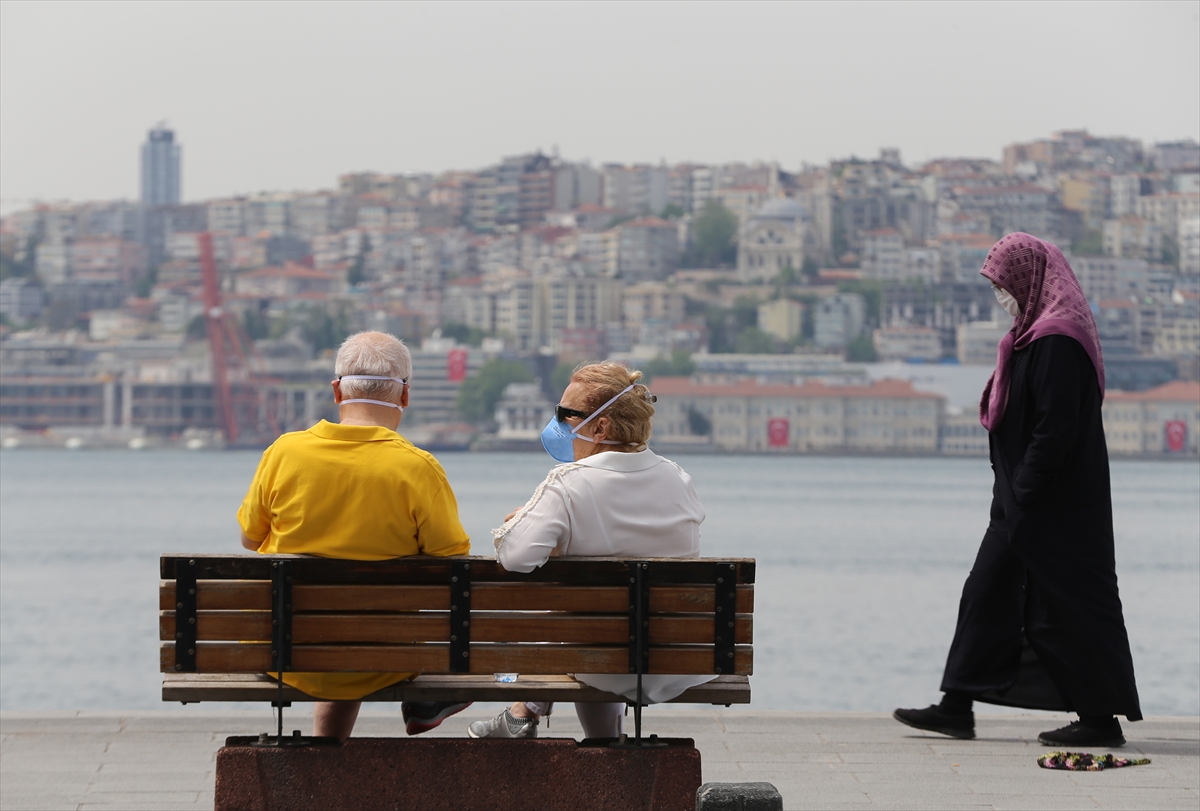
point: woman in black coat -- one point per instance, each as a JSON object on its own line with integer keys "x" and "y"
{"x": 1040, "y": 624}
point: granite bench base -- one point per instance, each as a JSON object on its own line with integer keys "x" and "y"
{"x": 397, "y": 774}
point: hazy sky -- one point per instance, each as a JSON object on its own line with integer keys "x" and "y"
{"x": 290, "y": 95}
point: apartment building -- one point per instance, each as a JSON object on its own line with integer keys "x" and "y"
{"x": 908, "y": 343}
{"x": 647, "y": 249}
{"x": 1168, "y": 210}
{"x": 1133, "y": 238}
{"x": 838, "y": 320}
{"x": 977, "y": 341}
{"x": 782, "y": 318}
{"x": 636, "y": 189}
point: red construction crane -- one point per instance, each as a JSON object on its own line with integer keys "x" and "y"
{"x": 230, "y": 351}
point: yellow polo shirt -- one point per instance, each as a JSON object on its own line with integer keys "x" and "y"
{"x": 354, "y": 492}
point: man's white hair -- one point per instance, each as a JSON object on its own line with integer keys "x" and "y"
{"x": 373, "y": 353}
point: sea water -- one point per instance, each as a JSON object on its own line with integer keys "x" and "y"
{"x": 860, "y": 565}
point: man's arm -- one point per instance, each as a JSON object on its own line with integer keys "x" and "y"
{"x": 255, "y": 514}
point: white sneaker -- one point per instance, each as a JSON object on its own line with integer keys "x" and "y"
{"x": 504, "y": 725}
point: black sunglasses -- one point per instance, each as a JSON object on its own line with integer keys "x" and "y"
{"x": 561, "y": 413}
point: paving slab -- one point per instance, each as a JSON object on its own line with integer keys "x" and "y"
{"x": 166, "y": 759}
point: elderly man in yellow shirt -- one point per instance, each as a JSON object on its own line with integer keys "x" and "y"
{"x": 358, "y": 490}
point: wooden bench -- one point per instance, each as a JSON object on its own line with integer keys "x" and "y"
{"x": 225, "y": 620}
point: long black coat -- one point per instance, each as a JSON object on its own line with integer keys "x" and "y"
{"x": 1040, "y": 622}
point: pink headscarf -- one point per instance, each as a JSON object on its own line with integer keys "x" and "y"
{"x": 1052, "y": 303}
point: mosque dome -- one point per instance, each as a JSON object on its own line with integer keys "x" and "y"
{"x": 781, "y": 208}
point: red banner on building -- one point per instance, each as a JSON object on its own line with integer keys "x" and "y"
{"x": 777, "y": 432}
{"x": 456, "y": 365}
{"x": 1176, "y": 431}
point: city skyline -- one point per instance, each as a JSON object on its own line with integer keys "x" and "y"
{"x": 884, "y": 82}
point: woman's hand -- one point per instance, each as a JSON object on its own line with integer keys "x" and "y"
{"x": 509, "y": 517}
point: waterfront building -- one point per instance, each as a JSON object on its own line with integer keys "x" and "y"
{"x": 161, "y": 184}
{"x": 438, "y": 370}
{"x": 961, "y": 434}
{"x": 522, "y": 412}
{"x": 907, "y": 343}
{"x": 1162, "y": 421}
{"x": 882, "y": 417}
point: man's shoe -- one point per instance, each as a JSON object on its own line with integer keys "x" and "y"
{"x": 1085, "y": 733}
{"x": 504, "y": 725}
{"x": 934, "y": 719}
{"x": 422, "y": 716}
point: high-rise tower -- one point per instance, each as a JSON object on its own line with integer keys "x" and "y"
{"x": 160, "y": 168}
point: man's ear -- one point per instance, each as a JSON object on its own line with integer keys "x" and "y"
{"x": 337, "y": 391}
{"x": 404, "y": 396}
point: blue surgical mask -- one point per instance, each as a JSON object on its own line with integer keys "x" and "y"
{"x": 558, "y": 437}
{"x": 396, "y": 406}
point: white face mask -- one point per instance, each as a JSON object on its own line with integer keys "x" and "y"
{"x": 396, "y": 406}
{"x": 1007, "y": 301}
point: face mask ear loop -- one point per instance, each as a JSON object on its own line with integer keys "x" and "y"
{"x": 596, "y": 413}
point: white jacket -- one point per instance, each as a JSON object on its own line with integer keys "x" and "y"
{"x": 609, "y": 505}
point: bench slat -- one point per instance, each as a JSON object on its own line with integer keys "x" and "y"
{"x": 217, "y": 595}
{"x": 434, "y": 626}
{"x": 253, "y": 657}
{"x": 197, "y": 687}
{"x": 432, "y": 570}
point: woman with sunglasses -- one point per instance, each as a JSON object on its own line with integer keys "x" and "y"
{"x": 611, "y": 497}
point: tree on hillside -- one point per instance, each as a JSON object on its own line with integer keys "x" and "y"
{"x": 869, "y": 290}
{"x": 714, "y": 237}
{"x": 469, "y": 336}
{"x": 560, "y": 378}
{"x": 1089, "y": 243}
{"x": 862, "y": 350}
{"x": 11, "y": 266}
{"x": 478, "y": 395}
{"x": 725, "y": 324}
{"x": 678, "y": 365}
{"x": 754, "y": 341}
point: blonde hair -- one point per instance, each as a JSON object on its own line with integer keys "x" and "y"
{"x": 373, "y": 353}
{"x": 629, "y": 418}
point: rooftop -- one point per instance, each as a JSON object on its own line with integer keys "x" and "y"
{"x": 881, "y": 389}
{"x": 1176, "y": 391}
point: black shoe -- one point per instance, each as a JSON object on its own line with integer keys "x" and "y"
{"x": 934, "y": 719}
{"x": 422, "y": 716}
{"x": 1085, "y": 733}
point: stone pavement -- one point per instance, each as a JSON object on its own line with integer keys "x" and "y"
{"x": 164, "y": 760}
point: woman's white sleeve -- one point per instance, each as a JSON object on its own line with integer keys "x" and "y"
{"x": 538, "y": 528}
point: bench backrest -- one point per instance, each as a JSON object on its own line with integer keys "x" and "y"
{"x": 258, "y": 613}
